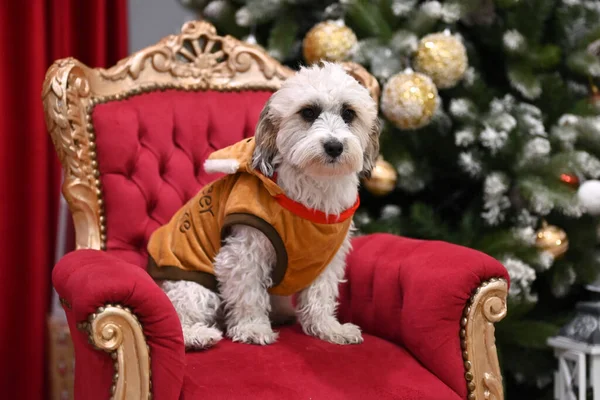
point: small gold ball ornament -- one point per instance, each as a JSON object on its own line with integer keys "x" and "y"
{"x": 328, "y": 40}
{"x": 409, "y": 100}
{"x": 383, "y": 178}
{"x": 443, "y": 57}
{"x": 552, "y": 239}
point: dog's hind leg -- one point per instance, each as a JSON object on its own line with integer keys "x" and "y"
{"x": 243, "y": 269}
{"x": 197, "y": 308}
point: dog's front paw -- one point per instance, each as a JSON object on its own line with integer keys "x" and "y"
{"x": 334, "y": 332}
{"x": 200, "y": 336}
{"x": 252, "y": 333}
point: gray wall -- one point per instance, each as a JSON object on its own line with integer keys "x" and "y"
{"x": 151, "y": 20}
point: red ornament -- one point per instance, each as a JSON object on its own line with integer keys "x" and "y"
{"x": 570, "y": 180}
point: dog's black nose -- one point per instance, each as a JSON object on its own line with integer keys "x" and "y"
{"x": 333, "y": 147}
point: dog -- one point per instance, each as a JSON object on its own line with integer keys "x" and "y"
{"x": 315, "y": 138}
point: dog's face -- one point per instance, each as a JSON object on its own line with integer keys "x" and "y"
{"x": 321, "y": 121}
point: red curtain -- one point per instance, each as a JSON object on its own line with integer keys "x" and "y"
{"x": 33, "y": 34}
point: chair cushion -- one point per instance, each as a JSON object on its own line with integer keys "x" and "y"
{"x": 301, "y": 367}
{"x": 150, "y": 152}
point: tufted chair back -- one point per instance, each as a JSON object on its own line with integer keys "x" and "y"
{"x": 133, "y": 138}
{"x": 150, "y": 151}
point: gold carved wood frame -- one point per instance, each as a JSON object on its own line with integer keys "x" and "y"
{"x": 195, "y": 59}
{"x": 486, "y": 306}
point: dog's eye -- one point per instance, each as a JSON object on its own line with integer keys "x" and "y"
{"x": 309, "y": 114}
{"x": 348, "y": 115}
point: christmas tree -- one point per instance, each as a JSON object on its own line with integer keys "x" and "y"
{"x": 491, "y": 136}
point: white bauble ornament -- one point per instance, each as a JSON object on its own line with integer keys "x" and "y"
{"x": 589, "y": 196}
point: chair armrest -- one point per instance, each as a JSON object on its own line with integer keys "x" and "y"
{"x": 124, "y": 312}
{"x": 418, "y": 294}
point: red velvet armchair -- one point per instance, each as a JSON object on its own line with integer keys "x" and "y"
{"x": 132, "y": 140}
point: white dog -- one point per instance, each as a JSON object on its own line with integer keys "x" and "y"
{"x": 318, "y": 134}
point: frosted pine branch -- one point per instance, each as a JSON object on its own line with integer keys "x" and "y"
{"x": 451, "y": 12}
{"x": 433, "y": 9}
{"x": 461, "y": 108}
{"x": 541, "y": 202}
{"x": 492, "y": 139}
{"x": 215, "y": 9}
{"x": 573, "y": 209}
{"x": 535, "y": 148}
{"x": 533, "y": 125}
{"x": 495, "y": 202}
{"x": 469, "y": 77}
{"x": 505, "y": 104}
{"x": 589, "y": 164}
{"x": 545, "y": 260}
{"x": 577, "y": 88}
{"x": 502, "y": 121}
{"x": 362, "y": 218}
{"x": 408, "y": 179}
{"x": 590, "y": 125}
{"x": 513, "y": 41}
{"x": 243, "y": 17}
{"x": 404, "y": 42}
{"x": 390, "y": 211}
{"x": 568, "y": 119}
{"x": 465, "y": 137}
{"x": 525, "y": 234}
{"x": 384, "y": 63}
{"x": 566, "y": 135}
{"x": 526, "y": 219}
{"x": 521, "y": 278}
{"x": 401, "y": 8}
{"x": 469, "y": 164}
{"x": 530, "y": 109}
{"x": 528, "y": 85}
{"x": 497, "y": 106}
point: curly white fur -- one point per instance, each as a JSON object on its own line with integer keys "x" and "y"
{"x": 198, "y": 310}
{"x": 294, "y": 147}
{"x": 243, "y": 269}
{"x": 317, "y": 304}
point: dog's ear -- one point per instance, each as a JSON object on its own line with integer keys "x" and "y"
{"x": 266, "y": 147}
{"x": 372, "y": 150}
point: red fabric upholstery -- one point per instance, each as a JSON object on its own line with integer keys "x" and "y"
{"x": 302, "y": 367}
{"x": 88, "y": 279}
{"x": 150, "y": 152}
{"x": 413, "y": 292}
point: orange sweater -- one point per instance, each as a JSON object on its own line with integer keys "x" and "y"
{"x": 305, "y": 240}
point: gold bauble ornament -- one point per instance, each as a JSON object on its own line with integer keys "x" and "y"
{"x": 383, "y": 178}
{"x": 409, "y": 100}
{"x": 328, "y": 40}
{"x": 443, "y": 57}
{"x": 552, "y": 239}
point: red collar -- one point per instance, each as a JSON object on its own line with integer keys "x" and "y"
{"x": 311, "y": 214}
